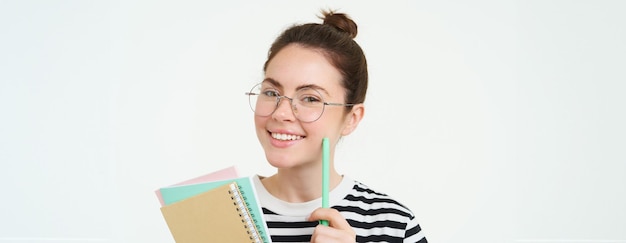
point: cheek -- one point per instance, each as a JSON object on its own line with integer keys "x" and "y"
{"x": 259, "y": 123}
{"x": 320, "y": 129}
{"x": 331, "y": 125}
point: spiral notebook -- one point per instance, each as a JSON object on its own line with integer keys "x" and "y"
{"x": 219, "y": 211}
{"x": 218, "y": 175}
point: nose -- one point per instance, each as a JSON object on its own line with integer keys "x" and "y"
{"x": 284, "y": 111}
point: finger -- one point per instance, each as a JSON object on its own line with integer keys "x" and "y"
{"x": 327, "y": 234}
{"x": 335, "y": 219}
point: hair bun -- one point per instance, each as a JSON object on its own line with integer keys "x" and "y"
{"x": 340, "y": 21}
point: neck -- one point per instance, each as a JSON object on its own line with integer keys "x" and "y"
{"x": 298, "y": 185}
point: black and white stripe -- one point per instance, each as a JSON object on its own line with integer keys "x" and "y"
{"x": 374, "y": 216}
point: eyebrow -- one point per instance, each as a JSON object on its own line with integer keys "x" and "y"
{"x": 304, "y": 86}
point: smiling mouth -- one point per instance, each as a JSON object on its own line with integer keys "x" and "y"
{"x": 285, "y": 137}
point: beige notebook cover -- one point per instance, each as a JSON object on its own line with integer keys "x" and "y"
{"x": 213, "y": 216}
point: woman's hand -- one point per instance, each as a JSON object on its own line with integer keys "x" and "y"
{"x": 338, "y": 229}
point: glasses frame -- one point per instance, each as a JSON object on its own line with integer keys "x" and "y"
{"x": 293, "y": 109}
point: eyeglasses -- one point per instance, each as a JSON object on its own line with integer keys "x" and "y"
{"x": 307, "y": 104}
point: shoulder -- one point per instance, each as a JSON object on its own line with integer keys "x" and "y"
{"x": 369, "y": 202}
{"x": 375, "y": 215}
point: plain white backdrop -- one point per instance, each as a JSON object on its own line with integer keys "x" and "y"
{"x": 494, "y": 121}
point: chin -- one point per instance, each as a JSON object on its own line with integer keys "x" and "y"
{"x": 280, "y": 161}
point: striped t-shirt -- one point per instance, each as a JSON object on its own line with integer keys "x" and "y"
{"x": 374, "y": 216}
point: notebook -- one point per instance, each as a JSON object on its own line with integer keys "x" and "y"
{"x": 218, "y": 211}
{"x": 223, "y": 174}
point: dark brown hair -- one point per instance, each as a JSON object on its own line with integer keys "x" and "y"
{"x": 334, "y": 38}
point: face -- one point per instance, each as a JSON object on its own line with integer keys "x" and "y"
{"x": 287, "y": 141}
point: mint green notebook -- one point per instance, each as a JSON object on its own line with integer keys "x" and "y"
{"x": 175, "y": 194}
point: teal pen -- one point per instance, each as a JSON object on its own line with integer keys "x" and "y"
{"x": 325, "y": 176}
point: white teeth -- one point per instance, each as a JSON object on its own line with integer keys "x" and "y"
{"x": 281, "y": 136}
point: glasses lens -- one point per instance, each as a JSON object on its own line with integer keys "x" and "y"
{"x": 262, "y": 100}
{"x": 308, "y": 105}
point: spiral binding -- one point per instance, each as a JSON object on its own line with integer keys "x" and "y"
{"x": 246, "y": 218}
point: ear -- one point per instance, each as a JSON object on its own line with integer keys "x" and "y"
{"x": 352, "y": 119}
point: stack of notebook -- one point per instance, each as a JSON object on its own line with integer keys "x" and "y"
{"x": 218, "y": 207}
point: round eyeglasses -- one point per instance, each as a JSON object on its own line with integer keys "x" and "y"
{"x": 307, "y": 104}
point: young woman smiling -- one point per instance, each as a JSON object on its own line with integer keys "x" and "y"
{"x": 314, "y": 87}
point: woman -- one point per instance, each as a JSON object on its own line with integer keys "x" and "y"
{"x": 314, "y": 88}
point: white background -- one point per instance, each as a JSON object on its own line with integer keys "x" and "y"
{"x": 494, "y": 121}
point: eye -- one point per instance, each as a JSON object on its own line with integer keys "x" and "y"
{"x": 310, "y": 99}
{"x": 270, "y": 93}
